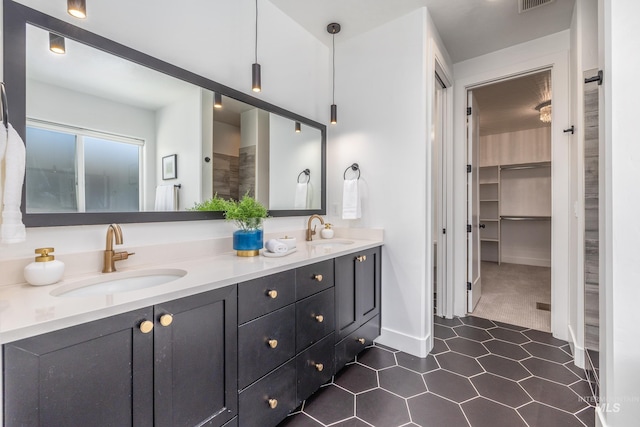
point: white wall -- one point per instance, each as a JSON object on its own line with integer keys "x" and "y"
{"x": 546, "y": 52}
{"x": 619, "y": 207}
{"x": 179, "y": 131}
{"x": 290, "y": 154}
{"x": 295, "y": 69}
{"x": 385, "y": 132}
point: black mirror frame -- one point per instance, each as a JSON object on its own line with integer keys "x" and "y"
{"x": 17, "y": 16}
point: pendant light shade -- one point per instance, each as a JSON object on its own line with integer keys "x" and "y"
{"x": 217, "y": 100}
{"x": 298, "y": 127}
{"x": 56, "y": 44}
{"x": 333, "y": 29}
{"x": 77, "y": 8}
{"x": 256, "y": 83}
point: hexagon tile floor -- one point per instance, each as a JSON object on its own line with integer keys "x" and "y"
{"x": 479, "y": 374}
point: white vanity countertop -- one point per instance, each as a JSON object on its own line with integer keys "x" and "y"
{"x": 31, "y": 310}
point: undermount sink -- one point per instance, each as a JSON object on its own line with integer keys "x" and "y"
{"x": 330, "y": 242}
{"x": 114, "y": 283}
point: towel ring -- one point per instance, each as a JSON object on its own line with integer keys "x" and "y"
{"x": 4, "y": 106}
{"x": 306, "y": 172}
{"x": 355, "y": 168}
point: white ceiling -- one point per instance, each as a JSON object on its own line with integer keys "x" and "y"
{"x": 468, "y": 28}
{"x": 509, "y": 106}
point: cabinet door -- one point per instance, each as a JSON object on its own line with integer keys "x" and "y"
{"x": 357, "y": 288}
{"x": 96, "y": 374}
{"x": 195, "y": 360}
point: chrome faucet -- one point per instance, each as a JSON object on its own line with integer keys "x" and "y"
{"x": 114, "y": 232}
{"x": 311, "y": 232}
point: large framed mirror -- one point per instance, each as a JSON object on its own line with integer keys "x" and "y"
{"x": 115, "y": 135}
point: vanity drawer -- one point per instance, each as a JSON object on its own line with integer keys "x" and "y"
{"x": 314, "y": 278}
{"x": 355, "y": 342}
{"x": 315, "y": 367}
{"x": 315, "y": 318}
{"x": 265, "y": 343}
{"x": 256, "y": 403}
{"x": 266, "y": 294}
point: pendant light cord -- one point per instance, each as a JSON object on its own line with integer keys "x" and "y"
{"x": 256, "y": 45}
{"x": 333, "y": 40}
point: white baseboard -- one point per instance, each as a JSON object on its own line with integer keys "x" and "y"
{"x": 415, "y": 346}
{"x": 578, "y": 350}
{"x": 600, "y": 421}
{"x": 538, "y": 262}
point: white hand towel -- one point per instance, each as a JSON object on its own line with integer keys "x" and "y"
{"x": 300, "y": 201}
{"x": 276, "y": 247}
{"x": 12, "y": 229}
{"x": 350, "y": 200}
{"x": 166, "y": 198}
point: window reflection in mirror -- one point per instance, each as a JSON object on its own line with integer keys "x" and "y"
{"x": 99, "y": 126}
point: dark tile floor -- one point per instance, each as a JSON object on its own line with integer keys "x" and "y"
{"x": 480, "y": 373}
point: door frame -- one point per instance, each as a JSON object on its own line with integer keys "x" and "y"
{"x": 552, "y": 53}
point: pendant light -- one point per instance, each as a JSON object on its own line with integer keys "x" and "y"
{"x": 256, "y": 84}
{"x": 77, "y": 8}
{"x": 545, "y": 111}
{"x": 56, "y": 44}
{"x": 333, "y": 29}
{"x": 217, "y": 100}
{"x": 298, "y": 127}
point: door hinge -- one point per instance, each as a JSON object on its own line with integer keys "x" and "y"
{"x": 468, "y": 111}
{"x": 444, "y": 231}
{"x": 468, "y": 286}
{"x": 468, "y": 228}
{"x": 468, "y": 168}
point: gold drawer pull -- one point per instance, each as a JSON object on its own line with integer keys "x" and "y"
{"x": 361, "y": 258}
{"x": 318, "y": 277}
{"x": 166, "y": 319}
{"x": 273, "y": 293}
{"x": 319, "y": 367}
{"x": 320, "y": 318}
{"x": 272, "y": 343}
{"x": 146, "y": 326}
{"x": 361, "y": 340}
{"x": 273, "y": 403}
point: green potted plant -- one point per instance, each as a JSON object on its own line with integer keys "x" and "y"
{"x": 248, "y": 214}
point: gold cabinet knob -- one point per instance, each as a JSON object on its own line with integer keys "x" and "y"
{"x": 318, "y": 277}
{"x": 146, "y": 326}
{"x": 361, "y": 340}
{"x": 361, "y": 258}
{"x": 166, "y": 319}
{"x": 273, "y": 403}
{"x": 272, "y": 343}
{"x": 273, "y": 294}
{"x": 319, "y": 367}
{"x": 320, "y": 318}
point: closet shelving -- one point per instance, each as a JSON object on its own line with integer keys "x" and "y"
{"x": 517, "y": 193}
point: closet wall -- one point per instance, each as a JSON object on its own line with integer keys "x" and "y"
{"x": 515, "y": 194}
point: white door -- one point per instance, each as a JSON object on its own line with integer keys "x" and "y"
{"x": 474, "y": 282}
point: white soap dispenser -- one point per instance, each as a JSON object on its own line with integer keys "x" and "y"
{"x": 46, "y": 270}
{"x": 326, "y": 232}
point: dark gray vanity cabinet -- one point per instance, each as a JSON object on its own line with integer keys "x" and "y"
{"x": 286, "y": 353}
{"x": 358, "y": 288}
{"x": 169, "y": 365}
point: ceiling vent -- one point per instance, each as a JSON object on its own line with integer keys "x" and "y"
{"x": 527, "y": 5}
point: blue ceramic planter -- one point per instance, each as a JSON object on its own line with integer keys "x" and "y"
{"x": 248, "y": 242}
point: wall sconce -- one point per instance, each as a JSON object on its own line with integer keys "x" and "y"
{"x": 77, "y": 8}
{"x": 56, "y": 44}
{"x": 545, "y": 111}
{"x": 256, "y": 84}
{"x": 217, "y": 100}
{"x": 298, "y": 127}
{"x": 333, "y": 29}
